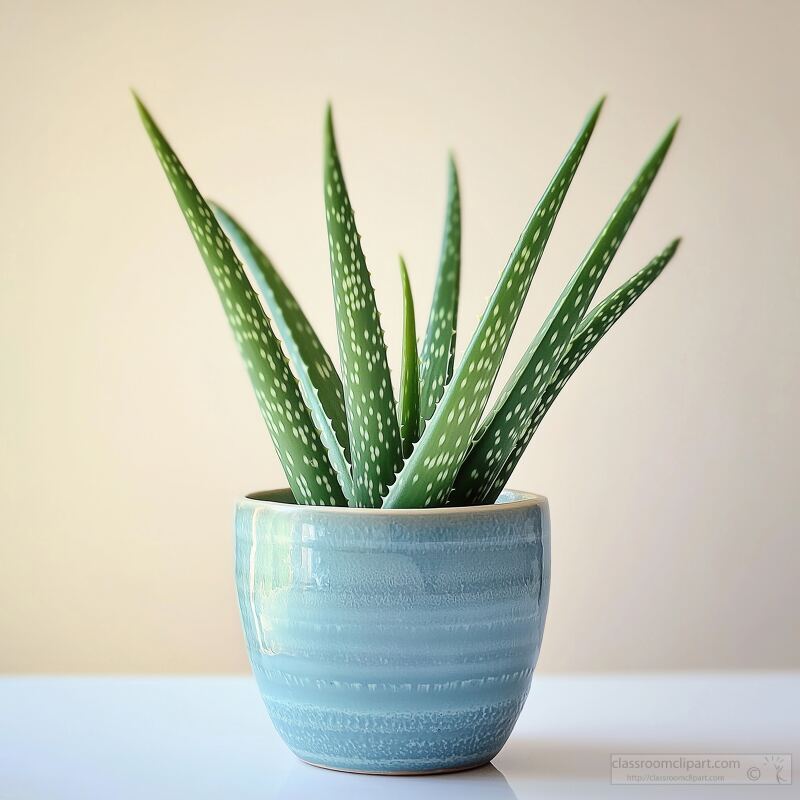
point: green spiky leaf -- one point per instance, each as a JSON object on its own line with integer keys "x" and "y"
{"x": 369, "y": 400}
{"x": 409, "y": 373}
{"x": 308, "y": 470}
{"x": 594, "y": 326}
{"x": 512, "y": 411}
{"x": 319, "y": 380}
{"x": 428, "y": 474}
{"x": 439, "y": 345}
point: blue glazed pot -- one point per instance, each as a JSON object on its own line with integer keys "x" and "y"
{"x": 393, "y": 641}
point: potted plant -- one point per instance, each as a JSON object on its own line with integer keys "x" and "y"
{"x": 393, "y": 598}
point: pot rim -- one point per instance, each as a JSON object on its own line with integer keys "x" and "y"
{"x": 517, "y": 501}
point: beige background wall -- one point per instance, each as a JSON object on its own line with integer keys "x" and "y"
{"x": 128, "y": 428}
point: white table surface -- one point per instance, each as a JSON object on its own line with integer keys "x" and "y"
{"x": 118, "y": 738}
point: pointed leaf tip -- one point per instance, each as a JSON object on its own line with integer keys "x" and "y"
{"x": 598, "y": 106}
{"x": 671, "y": 131}
{"x": 140, "y": 107}
{"x": 329, "y": 122}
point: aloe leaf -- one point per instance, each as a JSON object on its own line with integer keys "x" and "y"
{"x": 439, "y": 345}
{"x": 427, "y": 476}
{"x": 409, "y": 371}
{"x": 594, "y": 326}
{"x": 319, "y": 380}
{"x": 369, "y": 400}
{"x": 510, "y": 414}
{"x": 302, "y": 454}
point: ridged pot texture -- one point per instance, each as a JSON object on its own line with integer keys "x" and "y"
{"x": 396, "y": 641}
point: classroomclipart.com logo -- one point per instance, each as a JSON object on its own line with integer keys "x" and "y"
{"x": 708, "y": 768}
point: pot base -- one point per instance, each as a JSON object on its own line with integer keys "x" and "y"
{"x": 444, "y": 771}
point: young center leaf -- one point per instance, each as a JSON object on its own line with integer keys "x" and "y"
{"x": 311, "y": 476}
{"x": 439, "y": 345}
{"x": 408, "y": 412}
{"x": 510, "y": 414}
{"x": 593, "y": 327}
{"x": 427, "y": 476}
{"x": 319, "y": 380}
{"x": 369, "y": 400}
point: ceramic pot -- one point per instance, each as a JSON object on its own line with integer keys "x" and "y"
{"x": 398, "y": 640}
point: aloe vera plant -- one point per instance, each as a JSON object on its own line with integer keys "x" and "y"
{"x": 341, "y": 436}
